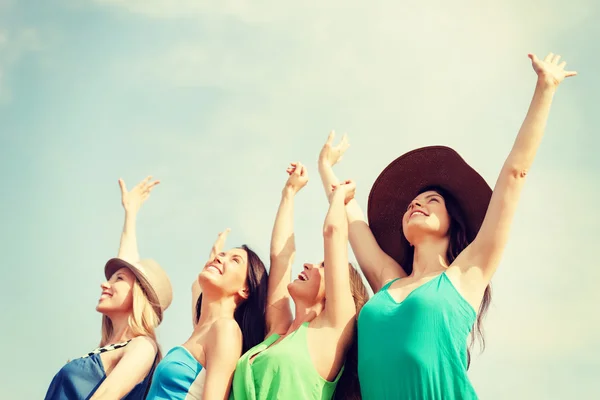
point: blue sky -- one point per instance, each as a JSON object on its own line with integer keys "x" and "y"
{"x": 216, "y": 98}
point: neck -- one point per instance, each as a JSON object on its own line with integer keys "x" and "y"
{"x": 430, "y": 257}
{"x": 121, "y": 331}
{"x": 304, "y": 313}
{"x": 214, "y": 308}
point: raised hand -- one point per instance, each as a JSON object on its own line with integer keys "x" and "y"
{"x": 218, "y": 245}
{"x": 347, "y": 188}
{"x": 298, "y": 177}
{"x": 133, "y": 199}
{"x": 549, "y": 71}
{"x": 330, "y": 154}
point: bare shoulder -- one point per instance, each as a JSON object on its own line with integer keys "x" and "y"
{"x": 143, "y": 343}
{"x": 225, "y": 329}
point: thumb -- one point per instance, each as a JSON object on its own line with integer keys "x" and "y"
{"x": 533, "y": 58}
{"x": 122, "y": 186}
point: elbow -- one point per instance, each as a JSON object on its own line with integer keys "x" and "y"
{"x": 516, "y": 171}
{"x": 332, "y": 230}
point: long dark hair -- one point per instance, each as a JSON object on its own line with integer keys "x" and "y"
{"x": 460, "y": 238}
{"x": 348, "y": 387}
{"x": 250, "y": 314}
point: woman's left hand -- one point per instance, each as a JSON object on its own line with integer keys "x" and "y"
{"x": 348, "y": 188}
{"x": 549, "y": 71}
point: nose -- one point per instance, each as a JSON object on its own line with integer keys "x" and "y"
{"x": 219, "y": 258}
{"x": 104, "y": 285}
{"x": 416, "y": 203}
{"x": 307, "y": 266}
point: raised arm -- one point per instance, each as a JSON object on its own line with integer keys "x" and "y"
{"x": 132, "y": 201}
{"x": 487, "y": 248}
{"x": 339, "y": 306}
{"x": 375, "y": 264}
{"x": 196, "y": 289}
{"x": 131, "y": 369}
{"x": 283, "y": 249}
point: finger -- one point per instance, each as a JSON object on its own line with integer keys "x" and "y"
{"x": 562, "y": 65}
{"x": 298, "y": 169}
{"x": 151, "y": 186}
{"x": 533, "y": 58}
{"x": 556, "y": 59}
{"x": 145, "y": 181}
{"x": 570, "y": 73}
{"x": 549, "y": 57}
{"x": 122, "y": 186}
{"x": 344, "y": 144}
{"x": 303, "y": 171}
{"x": 330, "y": 138}
{"x": 225, "y": 233}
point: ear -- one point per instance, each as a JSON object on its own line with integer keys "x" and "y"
{"x": 244, "y": 292}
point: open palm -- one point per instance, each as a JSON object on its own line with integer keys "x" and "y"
{"x": 549, "y": 69}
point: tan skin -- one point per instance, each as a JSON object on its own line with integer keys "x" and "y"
{"x": 216, "y": 341}
{"x": 331, "y": 322}
{"x": 127, "y": 366}
{"x": 473, "y": 269}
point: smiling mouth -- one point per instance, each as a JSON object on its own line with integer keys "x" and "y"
{"x": 302, "y": 276}
{"x": 414, "y": 213}
{"x": 214, "y": 268}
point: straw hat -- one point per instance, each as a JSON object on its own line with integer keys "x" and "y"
{"x": 152, "y": 278}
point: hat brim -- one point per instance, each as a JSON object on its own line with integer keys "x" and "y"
{"x": 403, "y": 179}
{"x": 115, "y": 264}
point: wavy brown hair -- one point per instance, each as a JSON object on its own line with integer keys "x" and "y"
{"x": 348, "y": 387}
{"x": 460, "y": 238}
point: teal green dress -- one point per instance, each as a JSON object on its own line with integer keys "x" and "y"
{"x": 416, "y": 349}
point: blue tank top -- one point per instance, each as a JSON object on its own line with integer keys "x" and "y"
{"x": 79, "y": 379}
{"x": 178, "y": 376}
{"x": 416, "y": 349}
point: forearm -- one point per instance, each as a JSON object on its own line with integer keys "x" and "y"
{"x": 336, "y": 221}
{"x": 128, "y": 249}
{"x": 530, "y": 135}
{"x": 282, "y": 237}
{"x": 328, "y": 178}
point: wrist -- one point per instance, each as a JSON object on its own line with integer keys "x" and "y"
{"x": 288, "y": 192}
{"x": 546, "y": 85}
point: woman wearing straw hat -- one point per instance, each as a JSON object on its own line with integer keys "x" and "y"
{"x": 229, "y": 318}
{"x": 310, "y": 354}
{"x": 435, "y": 238}
{"x": 133, "y": 301}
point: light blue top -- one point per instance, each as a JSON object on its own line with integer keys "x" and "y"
{"x": 179, "y": 376}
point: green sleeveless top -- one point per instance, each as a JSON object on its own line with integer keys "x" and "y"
{"x": 283, "y": 371}
{"x": 416, "y": 349}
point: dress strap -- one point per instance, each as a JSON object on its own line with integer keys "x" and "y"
{"x": 106, "y": 348}
{"x": 387, "y": 285}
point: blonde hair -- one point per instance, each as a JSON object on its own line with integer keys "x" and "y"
{"x": 142, "y": 321}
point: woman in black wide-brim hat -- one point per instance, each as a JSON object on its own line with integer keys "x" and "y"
{"x": 435, "y": 237}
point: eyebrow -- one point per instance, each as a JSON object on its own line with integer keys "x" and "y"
{"x": 433, "y": 195}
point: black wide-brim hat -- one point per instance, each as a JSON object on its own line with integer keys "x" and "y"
{"x": 407, "y": 176}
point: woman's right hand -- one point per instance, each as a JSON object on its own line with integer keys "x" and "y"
{"x": 298, "y": 177}
{"x": 133, "y": 199}
{"x": 330, "y": 154}
{"x": 218, "y": 245}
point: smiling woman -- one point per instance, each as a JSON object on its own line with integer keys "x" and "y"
{"x": 133, "y": 300}
{"x": 435, "y": 238}
{"x": 229, "y": 318}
